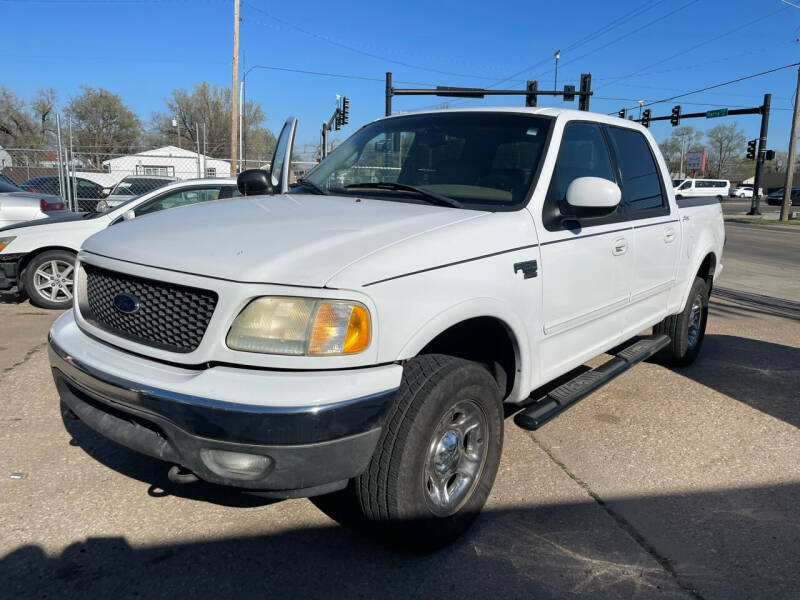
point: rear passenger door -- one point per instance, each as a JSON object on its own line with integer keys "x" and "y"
{"x": 656, "y": 231}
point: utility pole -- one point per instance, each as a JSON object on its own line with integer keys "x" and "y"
{"x": 235, "y": 88}
{"x": 761, "y": 152}
{"x": 557, "y": 55}
{"x": 787, "y": 190}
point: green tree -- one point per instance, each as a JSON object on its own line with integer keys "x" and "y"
{"x": 725, "y": 143}
{"x": 210, "y": 106}
{"x": 102, "y": 124}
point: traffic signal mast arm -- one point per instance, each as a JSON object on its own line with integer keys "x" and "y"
{"x": 756, "y": 110}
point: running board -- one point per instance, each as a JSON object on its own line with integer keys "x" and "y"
{"x": 584, "y": 384}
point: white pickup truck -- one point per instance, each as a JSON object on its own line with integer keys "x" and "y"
{"x": 367, "y": 325}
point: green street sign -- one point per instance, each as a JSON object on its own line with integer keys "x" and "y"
{"x": 719, "y": 112}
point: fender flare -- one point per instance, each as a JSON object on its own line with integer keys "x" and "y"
{"x": 471, "y": 309}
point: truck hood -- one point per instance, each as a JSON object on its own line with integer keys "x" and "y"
{"x": 295, "y": 239}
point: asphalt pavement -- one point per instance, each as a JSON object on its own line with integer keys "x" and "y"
{"x": 663, "y": 484}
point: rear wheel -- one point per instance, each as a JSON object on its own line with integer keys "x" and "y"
{"x": 438, "y": 454}
{"x": 49, "y": 279}
{"x": 687, "y": 329}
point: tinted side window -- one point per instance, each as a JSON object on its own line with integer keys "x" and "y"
{"x": 641, "y": 181}
{"x": 178, "y": 198}
{"x": 583, "y": 153}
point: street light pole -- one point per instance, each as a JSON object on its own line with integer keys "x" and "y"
{"x": 557, "y": 55}
{"x": 640, "y": 108}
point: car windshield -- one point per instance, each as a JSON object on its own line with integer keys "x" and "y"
{"x": 481, "y": 160}
{"x": 137, "y": 187}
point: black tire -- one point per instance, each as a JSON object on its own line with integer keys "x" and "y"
{"x": 684, "y": 347}
{"x": 395, "y": 491}
{"x": 678, "y": 196}
{"x": 58, "y": 295}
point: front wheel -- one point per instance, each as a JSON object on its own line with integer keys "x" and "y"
{"x": 687, "y": 329}
{"x": 438, "y": 455}
{"x": 49, "y": 279}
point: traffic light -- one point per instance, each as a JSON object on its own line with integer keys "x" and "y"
{"x": 530, "y": 97}
{"x": 345, "y": 112}
{"x": 621, "y": 113}
{"x": 769, "y": 155}
{"x": 586, "y": 89}
{"x": 751, "y": 149}
{"x": 675, "y": 117}
{"x": 569, "y": 93}
{"x": 337, "y": 121}
{"x": 646, "y": 117}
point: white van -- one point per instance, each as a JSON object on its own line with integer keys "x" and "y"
{"x": 703, "y": 187}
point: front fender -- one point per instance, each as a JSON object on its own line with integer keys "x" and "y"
{"x": 471, "y": 309}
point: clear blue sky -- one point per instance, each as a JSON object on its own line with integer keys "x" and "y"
{"x": 648, "y": 50}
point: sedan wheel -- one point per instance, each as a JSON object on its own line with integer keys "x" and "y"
{"x": 49, "y": 279}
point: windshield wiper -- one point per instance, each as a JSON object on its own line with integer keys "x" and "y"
{"x": 309, "y": 185}
{"x": 431, "y": 197}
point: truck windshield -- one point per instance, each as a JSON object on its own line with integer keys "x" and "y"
{"x": 480, "y": 160}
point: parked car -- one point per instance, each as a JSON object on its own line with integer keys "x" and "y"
{"x": 776, "y": 198}
{"x": 677, "y": 182}
{"x": 301, "y": 339}
{"x": 6, "y": 179}
{"x": 18, "y": 206}
{"x": 703, "y": 187}
{"x": 37, "y": 258}
{"x": 131, "y": 186}
{"x": 48, "y": 184}
{"x": 741, "y": 191}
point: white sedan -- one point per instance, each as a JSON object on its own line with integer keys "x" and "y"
{"x": 37, "y": 257}
{"x": 18, "y": 206}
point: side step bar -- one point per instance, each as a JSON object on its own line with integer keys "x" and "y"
{"x": 584, "y": 384}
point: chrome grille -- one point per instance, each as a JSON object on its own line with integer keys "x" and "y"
{"x": 167, "y": 316}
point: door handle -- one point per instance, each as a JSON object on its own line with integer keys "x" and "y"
{"x": 669, "y": 235}
{"x": 620, "y": 247}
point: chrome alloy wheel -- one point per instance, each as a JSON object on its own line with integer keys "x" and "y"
{"x": 455, "y": 459}
{"x": 53, "y": 280}
{"x": 695, "y": 318}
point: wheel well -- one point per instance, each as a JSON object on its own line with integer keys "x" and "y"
{"x": 31, "y": 255}
{"x": 706, "y": 270}
{"x": 485, "y": 340}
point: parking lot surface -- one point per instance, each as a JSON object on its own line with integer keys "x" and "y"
{"x": 664, "y": 484}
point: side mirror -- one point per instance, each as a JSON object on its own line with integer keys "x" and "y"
{"x": 254, "y": 182}
{"x": 128, "y": 215}
{"x": 593, "y": 196}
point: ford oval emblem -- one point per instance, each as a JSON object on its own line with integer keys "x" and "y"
{"x": 126, "y": 303}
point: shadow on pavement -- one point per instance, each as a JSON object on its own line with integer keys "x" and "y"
{"x": 760, "y": 374}
{"x": 742, "y": 543}
{"x": 754, "y": 303}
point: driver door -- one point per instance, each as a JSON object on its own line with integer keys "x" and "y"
{"x": 281, "y": 165}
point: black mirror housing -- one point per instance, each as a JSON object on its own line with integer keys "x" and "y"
{"x": 254, "y": 182}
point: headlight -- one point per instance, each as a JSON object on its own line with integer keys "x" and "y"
{"x": 5, "y": 241}
{"x": 102, "y": 206}
{"x": 301, "y": 326}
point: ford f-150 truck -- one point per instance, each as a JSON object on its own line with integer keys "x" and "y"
{"x": 369, "y": 326}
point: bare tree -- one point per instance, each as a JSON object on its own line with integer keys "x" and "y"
{"x": 17, "y": 127}
{"x": 725, "y": 142}
{"x": 210, "y": 106}
{"x": 43, "y": 107}
{"x": 675, "y": 147}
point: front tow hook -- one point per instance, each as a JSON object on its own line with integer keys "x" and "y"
{"x": 178, "y": 474}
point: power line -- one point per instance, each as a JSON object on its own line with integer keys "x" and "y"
{"x": 338, "y": 75}
{"x": 749, "y": 23}
{"x": 716, "y": 85}
{"x": 364, "y": 52}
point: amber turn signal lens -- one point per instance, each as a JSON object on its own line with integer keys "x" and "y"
{"x": 357, "y": 337}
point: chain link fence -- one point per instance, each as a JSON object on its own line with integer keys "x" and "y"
{"x": 82, "y": 177}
